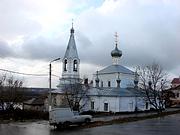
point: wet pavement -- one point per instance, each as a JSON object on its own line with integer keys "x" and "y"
{"x": 109, "y": 118}
{"x": 169, "y": 125}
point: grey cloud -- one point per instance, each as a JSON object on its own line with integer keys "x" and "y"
{"x": 97, "y": 53}
{"x": 49, "y": 48}
{"x": 83, "y": 40}
{"x": 42, "y": 48}
{"x": 147, "y": 33}
{"x": 15, "y": 19}
{"x": 5, "y": 50}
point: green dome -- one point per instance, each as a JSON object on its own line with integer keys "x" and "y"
{"x": 116, "y": 52}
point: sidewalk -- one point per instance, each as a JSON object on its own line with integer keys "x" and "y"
{"x": 119, "y": 116}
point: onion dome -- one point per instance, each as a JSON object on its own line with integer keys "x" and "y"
{"x": 116, "y": 52}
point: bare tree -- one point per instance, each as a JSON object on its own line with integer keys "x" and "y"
{"x": 2, "y": 91}
{"x": 153, "y": 79}
{"x": 168, "y": 94}
{"x": 11, "y": 92}
{"x": 76, "y": 95}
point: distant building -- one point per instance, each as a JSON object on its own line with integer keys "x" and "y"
{"x": 36, "y": 99}
{"x": 175, "y": 82}
{"x": 175, "y": 98}
{"x": 36, "y": 104}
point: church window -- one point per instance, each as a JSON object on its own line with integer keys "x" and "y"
{"x": 92, "y": 105}
{"x": 105, "y": 106}
{"x": 131, "y": 106}
{"x": 147, "y": 105}
{"x": 75, "y": 66}
{"x": 65, "y": 65}
{"x": 101, "y": 83}
{"x": 109, "y": 83}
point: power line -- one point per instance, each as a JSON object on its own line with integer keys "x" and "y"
{"x": 23, "y": 73}
{"x": 55, "y": 75}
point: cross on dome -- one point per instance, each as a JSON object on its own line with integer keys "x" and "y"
{"x": 116, "y": 52}
{"x": 116, "y": 38}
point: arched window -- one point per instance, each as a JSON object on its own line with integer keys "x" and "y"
{"x": 109, "y": 83}
{"x": 106, "y": 106}
{"x": 92, "y": 105}
{"x": 147, "y": 105}
{"x": 75, "y": 66}
{"x": 101, "y": 83}
{"x": 65, "y": 65}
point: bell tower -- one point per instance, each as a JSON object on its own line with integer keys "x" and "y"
{"x": 71, "y": 61}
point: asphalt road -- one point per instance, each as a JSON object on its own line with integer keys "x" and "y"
{"x": 169, "y": 125}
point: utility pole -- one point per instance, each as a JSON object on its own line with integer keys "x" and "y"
{"x": 50, "y": 100}
{"x": 50, "y": 76}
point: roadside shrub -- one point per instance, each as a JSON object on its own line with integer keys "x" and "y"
{"x": 19, "y": 114}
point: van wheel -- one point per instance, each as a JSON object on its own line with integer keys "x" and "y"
{"x": 87, "y": 120}
{"x": 66, "y": 124}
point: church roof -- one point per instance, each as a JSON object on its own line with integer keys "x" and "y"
{"x": 57, "y": 91}
{"x": 111, "y": 92}
{"x": 176, "y": 80}
{"x": 115, "y": 69}
{"x": 71, "y": 51}
{"x": 116, "y": 92}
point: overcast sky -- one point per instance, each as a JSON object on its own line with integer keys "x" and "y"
{"x": 33, "y": 32}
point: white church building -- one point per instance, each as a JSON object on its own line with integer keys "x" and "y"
{"x": 114, "y": 89}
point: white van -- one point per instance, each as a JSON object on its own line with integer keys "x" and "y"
{"x": 64, "y": 117}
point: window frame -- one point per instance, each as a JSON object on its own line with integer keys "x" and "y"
{"x": 106, "y": 107}
{"x": 75, "y": 65}
{"x": 65, "y": 65}
{"x": 92, "y": 105}
{"x": 101, "y": 83}
{"x": 109, "y": 83}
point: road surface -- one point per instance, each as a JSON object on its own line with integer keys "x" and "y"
{"x": 169, "y": 125}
